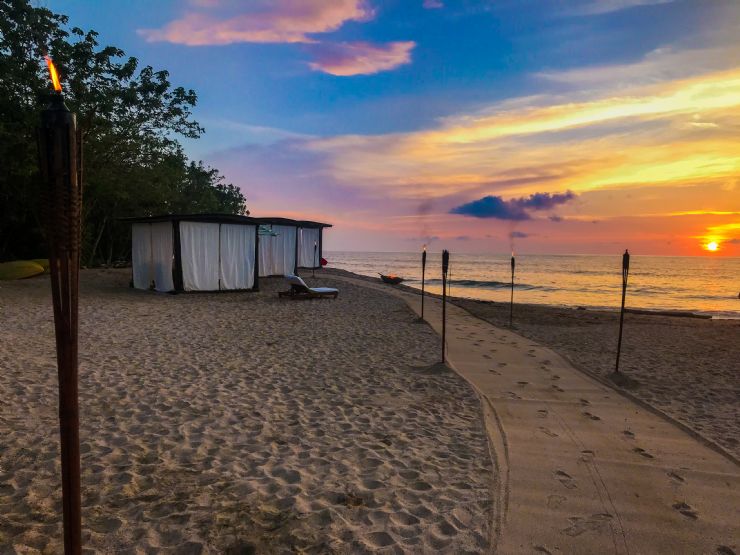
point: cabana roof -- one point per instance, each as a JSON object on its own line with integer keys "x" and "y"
{"x": 208, "y": 218}
{"x": 295, "y": 223}
{"x": 224, "y": 219}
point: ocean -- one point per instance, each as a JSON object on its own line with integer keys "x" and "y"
{"x": 705, "y": 285}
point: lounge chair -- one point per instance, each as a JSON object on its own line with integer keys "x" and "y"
{"x": 299, "y": 290}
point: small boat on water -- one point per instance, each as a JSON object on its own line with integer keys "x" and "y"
{"x": 393, "y": 280}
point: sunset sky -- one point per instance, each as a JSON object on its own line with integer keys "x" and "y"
{"x": 556, "y": 126}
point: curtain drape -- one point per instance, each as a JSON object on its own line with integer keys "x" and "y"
{"x": 141, "y": 255}
{"x": 277, "y": 253}
{"x": 162, "y": 256}
{"x": 199, "y": 249}
{"x": 306, "y": 239}
{"x": 237, "y": 256}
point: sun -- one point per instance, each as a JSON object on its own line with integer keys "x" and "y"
{"x": 712, "y": 246}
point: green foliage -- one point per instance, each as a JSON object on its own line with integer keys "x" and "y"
{"x": 129, "y": 117}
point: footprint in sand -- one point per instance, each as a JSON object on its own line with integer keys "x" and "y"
{"x": 724, "y": 550}
{"x": 558, "y": 389}
{"x": 487, "y": 356}
{"x": 686, "y": 510}
{"x": 590, "y": 416}
{"x": 547, "y": 361}
{"x": 542, "y": 413}
{"x": 542, "y": 549}
{"x": 640, "y": 451}
{"x": 522, "y": 384}
{"x": 495, "y": 372}
{"x": 675, "y": 477}
{"x": 513, "y": 395}
{"x": 587, "y": 455}
{"x": 501, "y": 364}
{"x": 585, "y": 402}
{"x": 629, "y": 434}
{"x": 548, "y": 432}
{"x": 580, "y": 525}
{"x": 565, "y": 479}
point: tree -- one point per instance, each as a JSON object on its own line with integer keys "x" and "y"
{"x": 129, "y": 118}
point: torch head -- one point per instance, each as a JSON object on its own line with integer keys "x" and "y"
{"x": 513, "y": 263}
{"x": 626, "y": 260}
{"x": 424, "y": 255}
{"x": 445, "y": 261}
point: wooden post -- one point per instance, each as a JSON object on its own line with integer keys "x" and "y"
{"x": 61, "y": 168}
{"x": 625, "y": 275}
{"x": 511, "y": 303}
{"x": 423, "y": 275}
{"x": 445, "y": 266}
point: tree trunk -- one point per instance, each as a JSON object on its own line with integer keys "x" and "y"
{"x": 91, "y": 260}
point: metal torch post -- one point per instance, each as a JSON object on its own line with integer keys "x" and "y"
{"x": 511, "y": 302}
{"x": 445, "y": 266}
{"x": 625, "y": 275}
{"x": 423, "y": 275}
{"x": 60, "y": 161}
{"x": 313, "y": 270}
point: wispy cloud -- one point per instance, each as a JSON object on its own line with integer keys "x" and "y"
{"x": 433, "y": 4}
{"x": 597, "y": 7}
{"x": 279, "y": 21}
{"x": 359, "y": 58}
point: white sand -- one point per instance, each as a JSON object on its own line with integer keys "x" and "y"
{"x": 212, "y": 423}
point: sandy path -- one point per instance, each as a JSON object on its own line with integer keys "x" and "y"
{"x": 219, "y": 423}
{"x": 581, "y": 468}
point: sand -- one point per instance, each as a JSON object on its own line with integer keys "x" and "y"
{"x": 581, "y": 468}
{"x": 238, "y": 423}
{"x": 688, "y": 368}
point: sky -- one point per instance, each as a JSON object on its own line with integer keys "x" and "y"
{"x": 543, "y": 126}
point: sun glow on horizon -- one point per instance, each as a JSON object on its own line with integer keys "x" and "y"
{"x": 712, "y": 246}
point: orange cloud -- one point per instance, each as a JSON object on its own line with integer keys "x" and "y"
{"x": 359, "y": 58}
{"x": 282, "y": 21}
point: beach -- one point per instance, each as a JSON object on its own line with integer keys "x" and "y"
{"x": 687, "y": 368}
{"x": 240, "y": 423}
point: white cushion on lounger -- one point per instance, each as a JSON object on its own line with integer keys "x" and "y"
{"x": 297, "y": 280}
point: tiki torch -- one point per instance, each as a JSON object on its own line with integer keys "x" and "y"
{"x": 625, "y": 275}
{"x": 423, "y": 272}
{"x": 60, "y": 161}
{"x": 445, "y": 267}
{"x": 511, "y": 303}
{"x": 315, "y": 248}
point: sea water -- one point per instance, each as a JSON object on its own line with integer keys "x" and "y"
{"x": 708, "y": 285}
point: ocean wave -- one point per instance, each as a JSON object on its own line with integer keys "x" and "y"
{"x": 478, "y": 284}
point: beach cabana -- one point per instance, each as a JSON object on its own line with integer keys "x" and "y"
{"x": 194, "y": 252}
{"x": 286, "y": 245}
{"x": 310, "y": 234}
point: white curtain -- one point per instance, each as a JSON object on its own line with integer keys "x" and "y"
{"x": 141, "y": 255}
{"x": 199, "y": 253}
{"x": 307, "y": 238}
{"x": 277, "y": 253}
{"x": 237, "y": 256}
{"x": 162, "y": 256}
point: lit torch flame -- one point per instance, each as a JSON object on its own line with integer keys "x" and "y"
{"x": 53, "y": 74}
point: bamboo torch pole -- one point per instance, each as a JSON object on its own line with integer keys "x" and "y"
{"x": 511, "y": 303}
{"x": 625, "y": 275}
{"x": 423, "y": 275}
{"x": 445, "y": 266}
{"x": 60, "y": 162}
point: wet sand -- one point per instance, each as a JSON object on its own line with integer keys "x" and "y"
{"x": 216, "y": 423}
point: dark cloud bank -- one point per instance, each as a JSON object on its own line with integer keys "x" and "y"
{"x": 516, "y": 209}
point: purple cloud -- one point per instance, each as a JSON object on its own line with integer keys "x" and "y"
{"x": 518, "y": 235}
{"x": 359, "y": 58}
{"x": 516, "y": 209}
